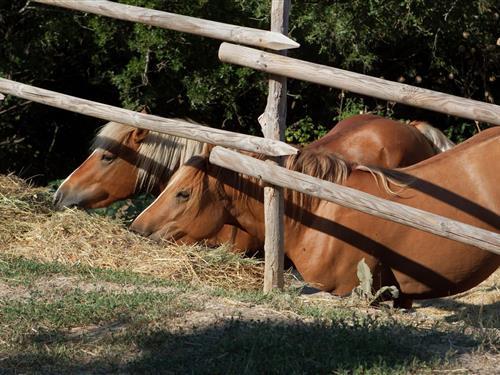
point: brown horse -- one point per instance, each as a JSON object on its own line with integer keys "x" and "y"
{"x": 127, "y": 160}
{"x": 326, "y": 241}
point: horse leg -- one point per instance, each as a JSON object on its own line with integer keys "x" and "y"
{"x": 402, "y": 302}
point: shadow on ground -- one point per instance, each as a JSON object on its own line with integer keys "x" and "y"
{"x": 235, "y": 346}
{"x": 479, "y": 316}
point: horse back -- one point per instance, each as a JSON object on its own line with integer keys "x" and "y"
{"x": 373, "y": 140}
{"x": 460, "y": 184}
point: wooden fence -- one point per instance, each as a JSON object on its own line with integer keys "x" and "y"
{"x": 357, "y": 200}
{"x": 360, "y": 83}
{"x": 273, "y": 121}
{"x": 177, "y": 127}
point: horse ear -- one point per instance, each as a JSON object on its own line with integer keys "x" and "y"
{"x": 138, "y": 135}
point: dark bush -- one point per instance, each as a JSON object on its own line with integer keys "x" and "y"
{"x": 450, "y": 46}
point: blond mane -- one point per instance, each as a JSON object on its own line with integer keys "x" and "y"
{"x": 322, "y": 164}
{"x": 159, "y": 155}
{"x": 317, "y": 163}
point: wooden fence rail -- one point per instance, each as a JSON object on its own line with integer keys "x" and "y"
{"x": 357, "y": 200}
{"x": 360, "y": 83}
{"x": 175, "y": 127}
{"x": 172, "y": 21}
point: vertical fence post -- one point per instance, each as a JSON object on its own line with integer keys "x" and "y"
{"x": 273, "y": 122}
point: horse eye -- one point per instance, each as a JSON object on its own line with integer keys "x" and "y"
{"x": 183, "y": 195}
{"x": 107, "y": 157}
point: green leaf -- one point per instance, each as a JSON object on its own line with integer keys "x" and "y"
{"x": 365, "y": 278}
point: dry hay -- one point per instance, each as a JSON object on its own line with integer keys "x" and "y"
{"x": 479, "y": 305}
{"x": 31, "y": 229}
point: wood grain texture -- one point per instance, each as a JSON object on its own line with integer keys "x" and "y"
{"x": 360, "y": 83}
{"x": 175, "y": 127}
{"x": 172, "y": 21}
{"x": 273, "y": 123}
{"x": 357, "y": 200}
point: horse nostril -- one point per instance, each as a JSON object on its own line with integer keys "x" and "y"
{"x": 57, "y": 199}
{"x": 139, "y": 229}
{"x": 156, "y": 236}
{"x": 62, "y": 200}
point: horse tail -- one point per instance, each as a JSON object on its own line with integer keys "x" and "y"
{"x": 435, "y": 136}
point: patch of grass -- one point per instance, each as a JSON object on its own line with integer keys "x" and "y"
{"x": 289, "y": 300}
{"x": 14, "y": 268}
{"x": 55, "y": 327}
{"x": 21, "y": 271}
{"x": 233, "y": 347}
{"x": 236, "y": 346}
{"x": 57, "y": 331}
{"x": 249, "y": 296}
{"x": 134, "y": 328}
{"x": 80, "y": 308}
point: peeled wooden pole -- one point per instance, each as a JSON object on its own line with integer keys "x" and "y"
{"x": 358, "y": 200}
{"x": 175, "y": 127}
{"x": 360, "y": 83}
{"x": 273, "y": 123}
{"x": 172, "y": 21}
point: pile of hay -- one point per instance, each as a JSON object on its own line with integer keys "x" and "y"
{"x": 30, "y": 228}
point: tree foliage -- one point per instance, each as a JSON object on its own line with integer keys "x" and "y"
{"x": 450, "y": 46}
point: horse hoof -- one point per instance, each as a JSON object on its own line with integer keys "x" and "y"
{"x": 403, "y": 303}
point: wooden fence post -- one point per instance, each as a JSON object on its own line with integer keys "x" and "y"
{"x": 273, "y": 122}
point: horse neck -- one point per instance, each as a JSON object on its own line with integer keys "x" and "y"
{"x": 160, "y": 155}
{"x": 243, "y": 197}
{"x": 245, "y": 203}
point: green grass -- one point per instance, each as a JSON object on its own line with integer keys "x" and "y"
{"x": 16, "y": 270}
{"x": 102, "y": 321}
{"x": 234, "y": 346}
{"x": 292, "y": 348}
{"x": 76, "y": 308}
{"x": 37, "y": 328}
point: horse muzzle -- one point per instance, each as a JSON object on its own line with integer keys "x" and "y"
{"x": 61, "y": 201}
{"x": 64, "y": 198}
{"x": 68, "y": 197}
{"x": 162, "y": 234}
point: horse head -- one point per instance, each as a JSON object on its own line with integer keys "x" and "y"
{"x": 109, "y": 173}
{"x": 191, "y": 207}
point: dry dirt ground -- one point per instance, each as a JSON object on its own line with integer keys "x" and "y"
{"x": 474, "y": 313}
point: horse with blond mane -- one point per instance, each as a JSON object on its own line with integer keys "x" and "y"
{"x": 126, "y": 161}
{"x": 326, "y": 241}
